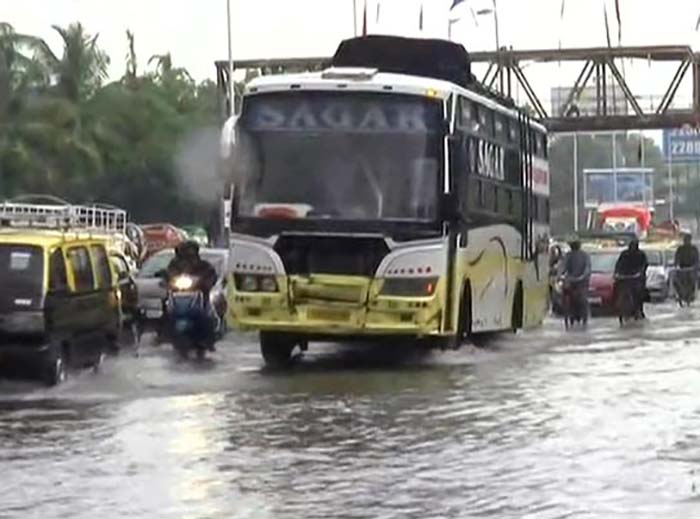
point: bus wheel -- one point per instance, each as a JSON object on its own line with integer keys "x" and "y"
{"x": 517, "y": 314}
{"x": 464, "y": 323}
{"x": 276, "y": 350}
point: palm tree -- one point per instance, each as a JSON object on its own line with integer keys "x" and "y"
{"x": 82, "y": 68}
{"x": 19, "y": 70}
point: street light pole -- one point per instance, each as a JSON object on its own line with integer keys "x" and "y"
{"x": 231, "y": 90}
{"x": 495, "y": 22}
{"x": 354, "y": 16}
{"x": 494, "y": 12}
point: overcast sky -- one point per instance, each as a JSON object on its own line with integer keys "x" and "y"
{"x": 194, "y": 31}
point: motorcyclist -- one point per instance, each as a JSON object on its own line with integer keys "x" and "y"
{"x": 687, "y": 257}
{"x": 188, "y": 261}
{"x": 633, "y": 262}
{"x": 577, "y": 273}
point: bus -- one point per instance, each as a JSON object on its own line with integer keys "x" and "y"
{"x": 388, "y": 198}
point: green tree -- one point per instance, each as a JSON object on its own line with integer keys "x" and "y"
{"x": 82, "y": 67}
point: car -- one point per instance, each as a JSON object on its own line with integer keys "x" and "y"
{"x": 601, "y": 287}
{"x": 152, "y": 293}
{"x": 59, "y": 303}
{"x": 161, "y": 236}
{"x": 658, "y": 275}
{"x": 125, "y": 279}
{"x": 198, "y": 234}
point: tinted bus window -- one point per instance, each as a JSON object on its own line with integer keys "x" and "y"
{"x": 103, "y": 272}
{"x": 81, "y": 267}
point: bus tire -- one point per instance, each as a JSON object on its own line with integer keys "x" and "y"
{"x": 276, "y": 350}
{"x": 518, "y": 307}
{"x": 464, "y": 317}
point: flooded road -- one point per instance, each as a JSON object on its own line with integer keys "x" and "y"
{"x": 595, "y": 424}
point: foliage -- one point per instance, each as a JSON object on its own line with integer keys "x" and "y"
{"x": 65, "y": 131}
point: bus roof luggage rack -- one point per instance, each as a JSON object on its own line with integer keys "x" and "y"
{"x": 433, "y": 58}
{"x": 63, "y": 217}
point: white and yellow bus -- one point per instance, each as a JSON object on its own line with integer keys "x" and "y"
{"x": 387, "y": 205}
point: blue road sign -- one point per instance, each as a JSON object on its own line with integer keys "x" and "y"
{"x": 682, "y": 145}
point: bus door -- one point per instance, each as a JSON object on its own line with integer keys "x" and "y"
{"x": 527, "y": 247}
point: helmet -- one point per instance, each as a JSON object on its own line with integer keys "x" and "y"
{"x": 575, "y": 243}
{"x": 187, "y": 247}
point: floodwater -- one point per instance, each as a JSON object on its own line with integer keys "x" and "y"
{"x": 590, "y": 424}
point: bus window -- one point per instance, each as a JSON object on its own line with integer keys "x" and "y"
{"x": 511, "y": 205}
{"x": 544, "y": 210}
{"x": 511, "y": 163}
{"x": 489, "y": 195}
{"x": 486, "y": 121}
{"x": 543, "y": 145}
{"x": 535, "y": 143}
{"x": 467, "y": 113}
{"x": 500, "y": 123}
{"x": 480, "y": 194}
{"x": 505, "y": 201}
{"x": 535, "y": 208}
{"x": 81, "y": 266}
{"x": 513, "y": 133}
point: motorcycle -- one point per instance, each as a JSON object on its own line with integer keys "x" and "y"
{"x": 684, "y": 285}
{"x": 627, "y": 297}
{"x": 188, "y": 324}
{"x": 575, "y": 301}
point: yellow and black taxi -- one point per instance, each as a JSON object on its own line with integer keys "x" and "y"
{"x": 59, "y": 303}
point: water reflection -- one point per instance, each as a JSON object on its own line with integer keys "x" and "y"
{"x": 596, "y": 425}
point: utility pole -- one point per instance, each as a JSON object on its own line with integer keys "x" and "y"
{"x": 231, "y": 89}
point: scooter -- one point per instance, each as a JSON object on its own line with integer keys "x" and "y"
{"x": 188, "y": 325}
{"x": 626, "y": 297}
{"x": 575, "y": 301}
{"x": 684, "y": 285}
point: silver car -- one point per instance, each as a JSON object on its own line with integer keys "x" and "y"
{"x": 152, "y": 293}
{"x": 658, "y": 275}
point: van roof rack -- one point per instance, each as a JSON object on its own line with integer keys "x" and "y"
{"x": 64, "y": 217}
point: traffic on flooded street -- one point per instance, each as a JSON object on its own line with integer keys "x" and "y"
{"x": 595, "y": 423}
{"x": 408, "y": 276}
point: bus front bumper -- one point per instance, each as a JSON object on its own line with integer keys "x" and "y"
{"x": 404, "y": 318}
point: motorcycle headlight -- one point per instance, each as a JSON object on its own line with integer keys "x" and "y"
{"x": 409, "y": 287}
{"x": 183, "y": 283}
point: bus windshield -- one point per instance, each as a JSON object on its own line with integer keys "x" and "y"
{"x": 339, "y": 155}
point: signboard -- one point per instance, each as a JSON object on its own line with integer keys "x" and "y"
{"x": 682, "y": 145}
{"x": 332, "y": 113}
{"x": 587, "y": 104}
{"x": 633, "y": 186}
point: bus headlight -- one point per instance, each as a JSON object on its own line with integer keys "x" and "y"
{"x": 268, "y": 284}
{"x": 409, "y": 287}
{"x": 255, "y": 283}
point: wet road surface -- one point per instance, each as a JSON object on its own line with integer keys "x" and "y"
{"x": 591, "y": 424}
